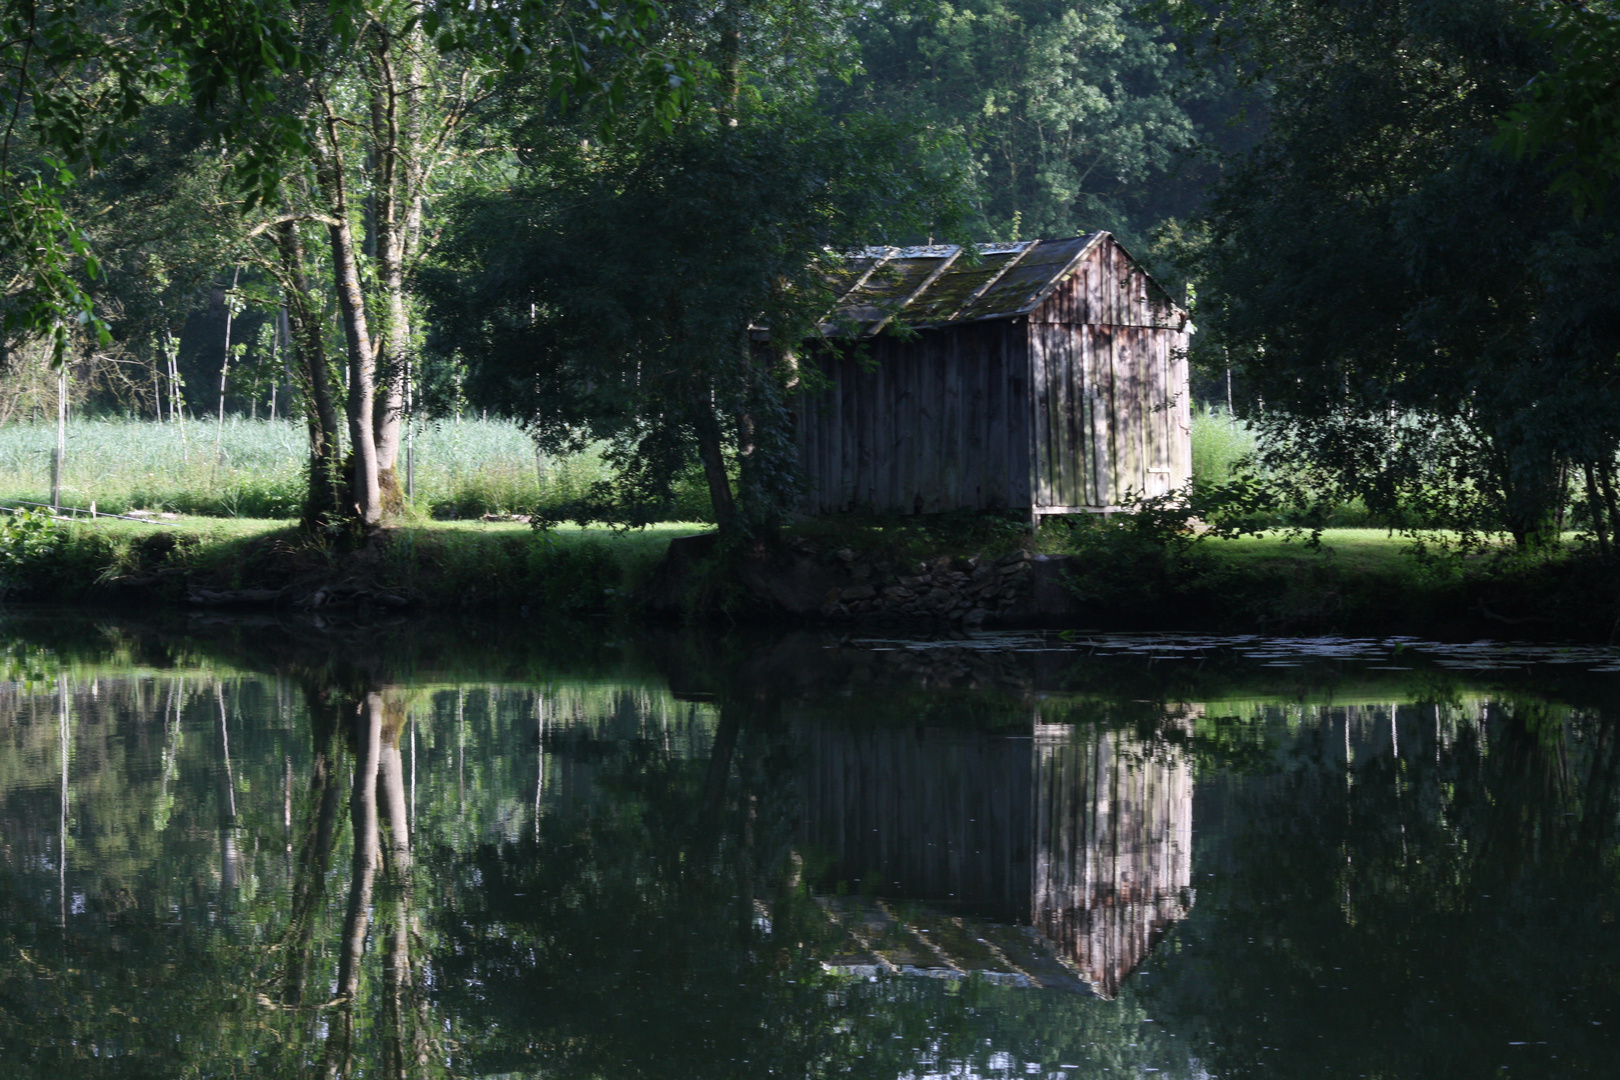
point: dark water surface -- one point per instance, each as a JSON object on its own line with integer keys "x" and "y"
{"x": 425, "y": 850}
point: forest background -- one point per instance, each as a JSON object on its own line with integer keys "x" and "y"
{"x": 1389, "y": 220}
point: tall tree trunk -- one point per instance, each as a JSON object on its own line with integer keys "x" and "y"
{"x": 707, "y": 428}
{"x": 351, "y": 297}
{"x": 1600, "y": 520}
{"x": 397, "y": 76}
{"x": 324, "y": 501}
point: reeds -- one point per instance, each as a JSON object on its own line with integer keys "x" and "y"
{"x": 463, "y": 468}
{"x": 1219, "y": 443}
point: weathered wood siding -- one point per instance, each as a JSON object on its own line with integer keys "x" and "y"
{"x": 937, "y": 421}
{"x": 1109, "y": 371}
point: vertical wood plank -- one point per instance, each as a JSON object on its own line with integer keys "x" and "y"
{"x": 954, "y": 492}
{"x": 1021, "y": 411}
{"x": 1102, "y": 353}
{"x": 1181, "y": 456}
{"x": 928, "y": 427}
{"x": 997, "y": 473}
{"x": 1041, "y": 490}
{"x": 971, "y": 364}
{"x": 1063, "y": 456}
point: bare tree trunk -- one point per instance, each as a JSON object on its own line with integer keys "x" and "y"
{"x": 352, "y": 307}
{"x": 59, "y": 453}
{"x": 323, "y": 503}
{"x": 1600, "y": 520}
{"x": 395, "y": 105}
{"x": 224, "y": 372}
{"x": 707, "y": 429}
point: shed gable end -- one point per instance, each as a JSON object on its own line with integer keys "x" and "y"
{"x": 1107, "y": 287}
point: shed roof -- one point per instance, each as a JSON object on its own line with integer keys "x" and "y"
{"x": 939, "y": 284}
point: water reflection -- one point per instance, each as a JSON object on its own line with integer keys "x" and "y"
{"x": 1081, "y": 833}
{"x": 285, "y": 861}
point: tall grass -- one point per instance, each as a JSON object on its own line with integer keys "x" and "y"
{"x": 1219, "y": 443}
{"x": 463, "y": 468}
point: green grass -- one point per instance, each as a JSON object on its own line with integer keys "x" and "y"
{"x": 463, "y": 468}
{"x": 1353, "y": 550}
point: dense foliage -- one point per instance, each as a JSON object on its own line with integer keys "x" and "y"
{"x": 1418, "y": 318}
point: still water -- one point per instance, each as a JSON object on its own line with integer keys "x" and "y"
{"x": 289, "y": 850}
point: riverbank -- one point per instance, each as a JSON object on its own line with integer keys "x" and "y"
{"x": 962, "y": 573}
{"x": 501, "y": 567}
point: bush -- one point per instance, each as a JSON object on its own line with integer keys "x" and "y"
{"x": 29, "y": 541}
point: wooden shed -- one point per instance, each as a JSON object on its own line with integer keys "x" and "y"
{"x": 1044, "y": 375}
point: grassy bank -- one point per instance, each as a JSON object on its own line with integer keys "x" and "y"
{"x": 463, "y": 468}
{"x": 1354, "y": 581}
{"x": 500, "y": 568}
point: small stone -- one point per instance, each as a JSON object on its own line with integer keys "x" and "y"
{"x": 975, "y": 616}
{"x": 898, "y": 592}
{"x": 1012, "y": 568}
{"x": 847, "y": 555}
{"x": 910, "y": 582}
{"x": 857, "y": 592}
{"x": 1013, "y": 557}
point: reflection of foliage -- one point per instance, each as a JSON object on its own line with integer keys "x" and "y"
{"x": 1456, "y": 885}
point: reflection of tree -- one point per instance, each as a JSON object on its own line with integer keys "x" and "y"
{"x": 1437, "y": 878}
{"x": 379, "y": 890}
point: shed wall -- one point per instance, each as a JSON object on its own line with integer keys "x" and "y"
{"x": 1109, "y": 372}
{"x": 937, "y": 421}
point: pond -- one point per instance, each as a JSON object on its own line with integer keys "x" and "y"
{"x": 288, "y": 849}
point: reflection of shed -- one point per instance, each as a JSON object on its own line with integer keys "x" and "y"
{"x": 1047, "y": 374}
{"x": 1084, "y": 835}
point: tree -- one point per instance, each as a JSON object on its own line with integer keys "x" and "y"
{"x": 1076, "y": 116}
{"x": 1573, "y": 106}
{"x": 656, "y": 294}
{"x": 366, "y": 122}
{"x": 1398, "y": 294}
